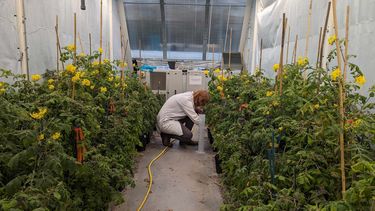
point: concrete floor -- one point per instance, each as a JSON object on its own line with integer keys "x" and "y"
{"x": 184, "y": 180}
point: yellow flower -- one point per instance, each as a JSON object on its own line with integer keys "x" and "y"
{"x": 206, "y": 72}
{"x": 40, "y": 114}
{"x": 134, "y": 65}
{"x": 106, "y": 61}
{"x": 95, "y": 72}
{"x": 281, "y": 128}
{"x": 123, "y": 64}
{"x": 110, "y": 79}
{"x": 56, "y": 136}
{"x": 269, "y": 93}
{"x": 82, "y": 55}
{"x": 275, "y": 103}
{"x": 222, "y": 78}
{"x": 75, "y": 78}
{"x": 86, "y": 82}
{"x": 40, "y": 137}
{"x": 357, "y": 122}
{"x": 71, "y": 68}
{"x": 276, "y": 67}
{"x": 92, "y": 87}
{"x": 360, "y": 80}
{"x": 117, "y": 77}
{"x": 103, "y": 89}
{"x": 36, "y": 77}
{"x": 219, "y": 88}
{"x": 71, "y": 47}
{"x": 95, "y": 63}
{"x": 302, "y": 61}
{"x": 335, "y": 74}
{"x": 332, "y": 39}
{"x": 50, "y": 81}
{"x": 100, "y": 50}
{"x": 217, "y": 70}
{"x": 51, "y": 87}
{"x": 317, "y": 106}
{"x": 2, "y": 91}
{"x": 2, "y": 84}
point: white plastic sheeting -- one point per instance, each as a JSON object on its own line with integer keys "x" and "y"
{"x": 40, "y": 29}
{"x": 268, "y": 19}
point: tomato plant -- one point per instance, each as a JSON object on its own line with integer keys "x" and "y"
{"x": 254, "y": 126}
{"x": 38, "y": 146}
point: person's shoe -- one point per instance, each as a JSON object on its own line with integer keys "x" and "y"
{"x": 166, "y": 140}
{"x": 191, "y": 143}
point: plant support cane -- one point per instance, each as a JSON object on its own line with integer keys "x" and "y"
{"x": 80, "y": 149}
{"x": 341, "y": 108}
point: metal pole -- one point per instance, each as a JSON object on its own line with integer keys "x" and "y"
{"x": 21, "y": 26}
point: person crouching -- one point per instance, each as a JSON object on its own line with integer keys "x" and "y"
{"x": 179, "y": 114}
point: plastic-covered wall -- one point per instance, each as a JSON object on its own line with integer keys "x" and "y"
{"x": 40, "y": 31}
{"x": 268, "y": 19}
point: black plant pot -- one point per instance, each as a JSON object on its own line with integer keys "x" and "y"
{"x": 144, "y": 139}
{"x": 219, "y": 170}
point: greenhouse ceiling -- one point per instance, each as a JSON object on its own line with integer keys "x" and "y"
{"x": 183, "y": 29}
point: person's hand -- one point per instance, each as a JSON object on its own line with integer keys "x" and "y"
{"x": 199, "y": 110}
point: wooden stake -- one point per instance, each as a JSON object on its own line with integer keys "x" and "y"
{"x": 346, "y": 43}
{"x": 57, "y": 45}
{"x": 324, "y": 36}
{"x": 261, "y": 54}
{"x": 80, "y": 43}
{"x": 75, "y": 39}
{"x": 230, "y": 48}
{"x": 342, "y": 115}
{"x": 101, "y": 29}
{"x": 213, "y": 56}
{"x": 294, "y": 57}
{"x": 280, "y": 73}
{"x": 308, "y": 29}
{"x": 319, "y": 46}
{"x": 75, "y": 52}
{"x": 90, "y": 43}
{"x": 287, "y": 48}
{"x": 58, "y": 41}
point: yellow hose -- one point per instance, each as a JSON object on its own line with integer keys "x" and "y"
{"x": 150, "y": 177}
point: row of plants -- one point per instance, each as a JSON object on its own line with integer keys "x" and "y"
{"x": 282, "y": 152}
{"x": 68, "y": 138}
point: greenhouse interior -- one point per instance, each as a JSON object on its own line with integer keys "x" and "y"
{"x": 187, "y": 105}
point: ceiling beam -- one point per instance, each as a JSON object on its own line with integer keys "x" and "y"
{"x": 163, "y": 29}
{"x": 206, "y": 29}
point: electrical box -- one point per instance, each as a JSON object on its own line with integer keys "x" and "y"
{"x": 171, "y": 82}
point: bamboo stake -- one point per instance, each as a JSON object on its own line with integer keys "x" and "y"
{"x": 80, "y": 43}
{"x": 319, "y": 46}
{"x": 75, "y": 39}
{"x": 287, "y": 48}
{"x": 346, "y": 42}
{"x": 342, "y": 115}
{"x": 58, "y": 43}
{"x": 324, "y": 36}
{"x": 294, "y": 57}
{"x": 75, "y": 52}
{"x": 213, "y": 56}
{"x": 308, "y": 29}
{"x": 101, "y": 29}
{"x": 261, "y": 54}
{"x": 90, "y": 43}
{"x": 280, "y": 73}
{"x": 230, "y": 49}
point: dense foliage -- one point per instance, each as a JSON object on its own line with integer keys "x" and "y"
{"x": 38, "y": 146}
{"x": 281, "y": 152}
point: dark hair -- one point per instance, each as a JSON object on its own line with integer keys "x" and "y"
{"x": 201, "y": 97}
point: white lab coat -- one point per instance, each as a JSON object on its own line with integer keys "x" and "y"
{"x": 176, "y": 108}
